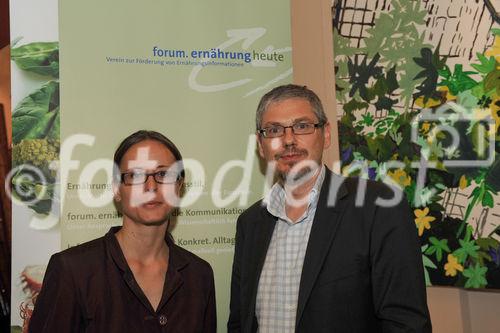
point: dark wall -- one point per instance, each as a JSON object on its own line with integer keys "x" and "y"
{"x": 4, "y": 202}
{"x": 4, "y": 23}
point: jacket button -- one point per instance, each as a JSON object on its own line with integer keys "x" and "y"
{"x": 162, "y": 319}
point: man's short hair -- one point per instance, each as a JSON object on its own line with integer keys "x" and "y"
{"x": 288, "y": 91}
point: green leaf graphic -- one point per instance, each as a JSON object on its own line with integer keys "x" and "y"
{"x": 37, "y": 115}
{"x": 41, "y": 58}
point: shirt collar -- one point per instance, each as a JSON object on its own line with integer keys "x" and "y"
{"x": 275, "y": 198}
{"x": 177, "y": 260}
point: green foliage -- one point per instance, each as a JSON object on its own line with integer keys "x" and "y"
{"x": 397, "y": 67}
{"x": 381, "y": 148}
{"x": 342, "y": 45}
{"x": 458, "y": 81}
{"x": 467, "y": 248}
{"x": 36, "y": 129}
{"x": 361, "y": 73}
{"x": 492, "y": 81}
{"x": 404, "y": 18}
{"x": 431, "y": 64}
{"x": 37, "y": 115}
{"x": 384, "y": 87}
{"x": 385, "y": 124}
{"x": 438, "y": 247}
{"x": 427, "y": 263}
{"x": 32, "y": 186}
{"x": 483, "y": 193}
{"x": 486, "y": 65}
{"x": 486, "y": 244}
{"x": 37, "y": 152}
{"x": 354, "y": 105}
{"x": 342, "y": 51}
{"x": 41, "y": 58}
{"x": 395, "y": 36}
{"x": 383, "y": 47}
{"x": 475, "y": 276}
{"x": 368, "y": 119}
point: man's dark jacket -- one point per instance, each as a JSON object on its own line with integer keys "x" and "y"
{"x": 362, "y": 269}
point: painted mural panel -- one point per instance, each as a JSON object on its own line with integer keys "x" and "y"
{"x": 418, "y": 93}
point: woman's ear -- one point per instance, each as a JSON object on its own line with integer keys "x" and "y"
{"x": 181, "y": 188}
{"x": 116, "y": 192}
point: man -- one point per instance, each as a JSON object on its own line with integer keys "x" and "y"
{"x": 308, "y": 258}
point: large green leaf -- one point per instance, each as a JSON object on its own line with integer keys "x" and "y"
{"x": 36, "y": 116}
{"x": 457, "y": 81}
{"x": 360, "y": 74}
{"x": 354, "y": 105}
{"x": 431, "y": 63}
{"x": 41, "y": 58}
{"x": 486, "y": 64}
{"x": 492, "y": 81}
{"x": 427, "y": 263}
{"x": 381, "y": 147}
{"x": 476, "y": 276}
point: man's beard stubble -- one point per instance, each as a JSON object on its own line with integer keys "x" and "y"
{"x": 296, "y": 174}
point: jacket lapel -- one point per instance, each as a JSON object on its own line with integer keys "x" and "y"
{"x": 173, "y": 278}
{"x": 264, "y": 227}
{"x": 326, "y": 221}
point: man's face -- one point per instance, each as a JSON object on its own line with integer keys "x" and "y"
{"x": 149, "y": 202}
{"x": 290, "y": 149}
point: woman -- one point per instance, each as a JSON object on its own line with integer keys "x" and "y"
{"x": 134, "y": 279}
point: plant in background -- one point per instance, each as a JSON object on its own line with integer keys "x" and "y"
{"x": 403, "y": 79}
{"x": 35, "y": 127}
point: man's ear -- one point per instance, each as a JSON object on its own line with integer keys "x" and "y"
{"x": 259, "y": 145}
{"x": 327, "y": 134}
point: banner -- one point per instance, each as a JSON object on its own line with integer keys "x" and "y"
{"x": 192, "y": 70}
{"x": 35, "y": 231}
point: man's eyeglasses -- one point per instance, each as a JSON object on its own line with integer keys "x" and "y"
{"x": 141, "y": 177}
{"x": 276, "y": 131}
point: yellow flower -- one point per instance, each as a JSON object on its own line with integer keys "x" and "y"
{"x": 422, "y": 220}
{"x": 426, "y": 126}
{"x": 431, "y": 102}
{"x": 463, "y": 182}
{"x": 452, "y": 266}
{"x": 443, "y": 96}
{"x": 400, "y": 177}
{"x": 449, "y": 96}
{"x": 494, "y": 50}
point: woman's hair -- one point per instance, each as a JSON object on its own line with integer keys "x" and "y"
{"x": 144, "y": 135}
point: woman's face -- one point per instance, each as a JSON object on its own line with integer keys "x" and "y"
{"x": 148, "y": 199}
